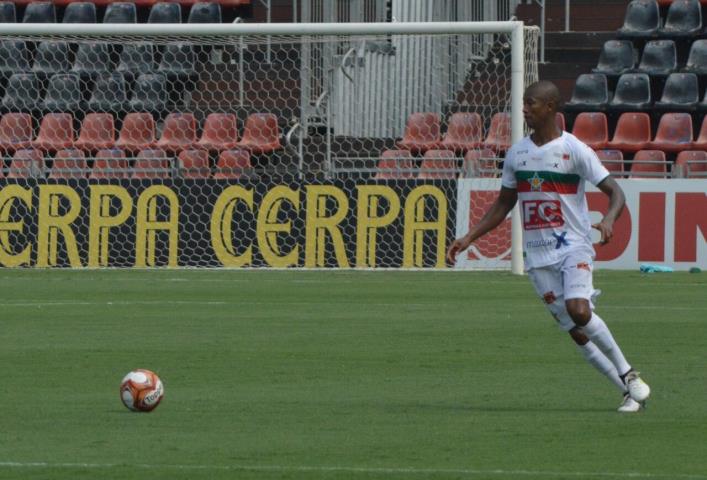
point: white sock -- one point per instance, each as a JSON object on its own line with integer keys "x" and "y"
{"x": 598, "y": 360}
{"x": 599, "y": 333}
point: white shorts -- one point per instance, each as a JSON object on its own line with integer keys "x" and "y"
{"x": 570, "y": 278}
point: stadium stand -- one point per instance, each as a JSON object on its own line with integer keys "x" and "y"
{"x": 613, "y": 160}
{"x": 80, "y": 12}
{"x": 261, "y": 134}
{"x": 592, "y": 128}
{"x": 674, "y": 133}
{"x": 26, "y": 163}
{"x": 137, "y": 132}
{"x": 642, "y": 19}
{"x": 56, "y": 132}
{"x": 193, "y": 164}
{"x": 590, "y": 93}
{"x": 232, "y": 164}
{"x": 15, "y": 132}
{"x": 51, "y": 58}
{"x": 480, "y": 163}
{"x": 165, "y": 12}
{"x": 464, "y": 132}
{"x": 69, "y": 163}
{"x": 178, "y": 133}
{"x": 659, "y": 58}
{"x": 64, "y": 94}
{"x": 422, "y": 132}
{"x": 633, "y": 132}
{"x": 150, "y": 94}
{"x": 92, "y": 59}
{"x": 617, "y": 57}
{"x": 39, "y": 12}
{"x": 135, "y": 60}
{"x": 97, "y": 132}
{"x": 439, "y": 164}
{"x": 498, "y": 138}
{"x": 684, "y": 19}
{"x": 395, "y": 164}
{"x": 109, "y": 94}
{"x": 23, "y": 93}
{"x": 633, "y": 92}
{"x": 220, "y": 132}
{"x": 681, "y": 93}
{"x": 8, "y": 13}
{"x": 691, "y": 164}
{"x": 205, "y": 12}
{"x": 697, "y": 58}
{"x": 151, "y": 163}
{"x": 14, "y": 58}
{"x": 120, "y": 12}
{"x": 649, "y": 164}
{"x": 110, "y": 163}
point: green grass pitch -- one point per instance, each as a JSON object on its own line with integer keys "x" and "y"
{"x": 343, "y": 375}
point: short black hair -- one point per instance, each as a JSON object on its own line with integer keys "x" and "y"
{"x": 547, "y": 91}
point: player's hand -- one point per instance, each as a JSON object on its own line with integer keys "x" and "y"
{"x": 606, "y": 229}
{"x": 458, "y": 245}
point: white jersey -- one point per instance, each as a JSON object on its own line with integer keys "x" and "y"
{"x": 550, "y": 183}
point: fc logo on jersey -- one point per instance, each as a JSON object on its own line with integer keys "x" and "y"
{"x": 542, "y": 214}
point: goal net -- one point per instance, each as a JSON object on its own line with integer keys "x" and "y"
{"x": 229, "y": 145}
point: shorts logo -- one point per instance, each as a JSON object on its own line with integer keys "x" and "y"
{"x": 584, "y": 266}
{"x": 539, "y": 214}
{"x": 549, "y": 297}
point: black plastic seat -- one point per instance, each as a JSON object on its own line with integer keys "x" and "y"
{"x": 642, "y": 19}
{"x": 120, "y": 12}
{"x": 150, "y": 94}
{"x": 39, "y": 12}
{"x": 14, "y": 58}
{"x": 616, "y": 57}
{"x": 633, "y": 92}
{"x": 681, "y": 93}
{"x": 590, "y": 93}
{"x": 136, "y": 59}
{"x": 205, "y": 12}
{"x": 178, "y": 62}
{"x": 80, "y": 12}
{"x": 92, "y": 59}
{"x": 8, "y": 13}
{"x": 697, "y": 59}
{"x": 684, "y": 19}
{"x": 165, "y": 12}
{"x": 64, "y": 94}
{"x": 659, "y": 58}
{"x": 51, "y": 58}
{"x": 109, "y": 94}
{"x": 23, "y": 93}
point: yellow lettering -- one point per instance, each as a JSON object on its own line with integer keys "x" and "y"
{"x": 7, "y": 199}
{"x": 221, "y": 219}
{"x": 416, "y": 225}
{"x": 368, "y": 221}
{"x": 268, "y": 227}
{"x": 148, "y": 226}
{"x": 51, "y": 223}
{"x": 101, "y": 220}
{"x": 319, "y": 224}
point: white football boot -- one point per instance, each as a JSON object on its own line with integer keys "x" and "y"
{"x": 637, "y": 388}
{"x": 629, "y": 405}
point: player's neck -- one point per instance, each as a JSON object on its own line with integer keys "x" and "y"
{"x": 545, "y": 134}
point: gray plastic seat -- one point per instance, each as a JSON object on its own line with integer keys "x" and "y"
{"x": 165, "y": 12}
{"x": 659, "y": 58}
{"x": 642, "y": 19}
{"x": 684, "y": 19}
{"x": 136, "y": 59}
{"x": 150, "y": 94}
{"x": 681, "y": 93}
{"x": 616, "y": 57}
{"x": 8, "y": 13}
{"x": 109, "y": 94}
{"x": 590, "y": 93}
{"x": 633, "y": 93}
{"x": 39, "y": 12}
{"x": 80, "y": 12}
{"x": 64, "y": 94}
{"x": 205, "y": 12}
{"x": 120, "y": 12}
{"x": 23, "y": 93}
{"x": 697, "y": 59}
{"x": 14, "y": 58}
{"x": 51, "y": 58}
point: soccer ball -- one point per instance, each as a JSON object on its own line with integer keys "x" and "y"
{"x": 141, "y": 390}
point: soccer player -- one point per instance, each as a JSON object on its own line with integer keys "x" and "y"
{"x": 546, "y": 171}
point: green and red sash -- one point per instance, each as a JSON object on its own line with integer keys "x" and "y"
{"x": 542, "y": 181}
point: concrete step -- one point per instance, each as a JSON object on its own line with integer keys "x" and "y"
{"x": 585, "y": 15}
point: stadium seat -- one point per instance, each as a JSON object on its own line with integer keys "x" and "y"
{"x": 92, "y": 59}
{"x": 590, "y": 93}
{"x": 261, "y": 134}
{"x": 39, "y": 12}
{"x": 194, "y": 164}
{"x": 120, "y": 12}
{"x": 97, "y": 132}
{"x": 220, "y": 132}
{"x": 697, "y": 58}
{"x": 8, "y": 12}
{"x": 64, "y": 94}
{"x": 681, "y": 93}
{"x": 613, "y": 160}
{"x": 15, "y": 132}
{"x": 498, "y": 138}
{"x": 659, "y": 58}
{"x": 205, "y": 12}
{"x": 23, "y": 93}
{"x": 439, "y": 164}
{"x": 616, "y": 57}
{"x": 649, "y": 164}
{"x": 691, "y": 164}
{"x": 135, "y": 60}
{"x": 592, "y": 128}
{"x": 179, "y": 64}
{"x": 633, "y": 92}
{"x": 109, "y": 94}
{"x": 165, "y": 12}
{"x": 701, "y": 142}
{"x": 480, "y": 163}
{"x": 14, "y": 58}
{"x": 149, "y": 94}
{"x": 560, "y": 121}
{"x": 642, "y": 19}
{"x": 232, "y": 164}
{"x": 684, "y": 19}
{"x": 178, "y": 133}
{"x": 51, "y": 58}
{"x": 674, "y": 133}
{"x": 56, "y": 132}
{"x": 422, "y": 132}
{"x": 69, "y": 163}
{"x": 464, "y": 132}
{"x": 395, "y": 164}
{"x": 633, "y": 132}
{"x": 151, "y": 163}
{"x": 110, "y": 163}
{"x": 80, "y": 12}
{"x": 26, "y": 163}
{"x": 137, "y": 132}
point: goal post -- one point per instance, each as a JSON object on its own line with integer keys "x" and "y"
{"x": 255, "y": 145}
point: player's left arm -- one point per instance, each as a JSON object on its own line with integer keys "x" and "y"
{"x": 617, "y": 200}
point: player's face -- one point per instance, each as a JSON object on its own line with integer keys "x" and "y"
{"x": 536, "y": 111}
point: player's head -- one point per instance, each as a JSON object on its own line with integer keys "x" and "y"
{"x": 541, "y": 101}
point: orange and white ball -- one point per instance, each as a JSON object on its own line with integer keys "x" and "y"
{"x": 141, "y": 390}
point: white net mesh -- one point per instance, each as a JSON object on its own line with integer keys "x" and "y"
{"x": 284, "y": 151}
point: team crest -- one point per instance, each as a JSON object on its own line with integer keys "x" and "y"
{"x": 536, "y": 183}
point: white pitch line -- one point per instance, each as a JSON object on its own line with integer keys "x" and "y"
{"x": 350, "y": 469}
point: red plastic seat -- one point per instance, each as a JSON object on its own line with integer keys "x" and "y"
{"x": 15, "y": 132}
{"x": 422, "y": 132}
{"x": 151, "y": 163}
{"x": 633, "y": 132}
{"x": 97, "y": 132}
{"x": 439, "y": 164}
{"x": 592, "y": 129}
{"x": 464, "y": 132}
{"x": 649, "y": 164}
{"x": 481, "y": 163}
{"x": 498, "y": 138}
{"x": 69, "y": 163}
{"x": 179, "y": 132}
{"x": 137, "y": 133}
{"x": 692, "y": 163}
{"x": 56, "y": 132}
{"x": 613, "y": 160}
{"x": 395, "y": 164}
{"x": 110, "y": 163}
{"x": 220, "y": 132}
{"x": 232, "y": 164}
{"x": 194, "y": 164}
{"x": 26, "y": 163}
{"x": 261, "y": 134}
{"x": 674, "y": 133}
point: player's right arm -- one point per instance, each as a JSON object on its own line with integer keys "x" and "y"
{"x": 503, "y": 204}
